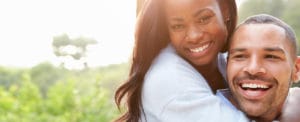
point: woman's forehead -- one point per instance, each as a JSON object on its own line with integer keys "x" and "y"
{"x": 191, "y": 3}
{"x": 190, "y": 7}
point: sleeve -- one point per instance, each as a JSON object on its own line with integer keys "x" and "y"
{"x": 184, "y": 97}
{"x": 197, "y": 106}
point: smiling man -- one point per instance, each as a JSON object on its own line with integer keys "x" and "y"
{"x": 262, "y": 65}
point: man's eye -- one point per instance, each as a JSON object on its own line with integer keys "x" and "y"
{"x": 272, "y": 57}
{"x": 238, "y": 57}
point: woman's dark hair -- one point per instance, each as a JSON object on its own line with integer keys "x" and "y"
{"x": 150, "y": 38}
{"x": 229, "y": 16}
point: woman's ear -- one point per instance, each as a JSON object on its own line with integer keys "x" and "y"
{"x": 296, "y": 74}
{"x": 225, "y": 10}
{"x": 224, "y": 7}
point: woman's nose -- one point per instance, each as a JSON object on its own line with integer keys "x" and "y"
{"x": 194, "y": 34}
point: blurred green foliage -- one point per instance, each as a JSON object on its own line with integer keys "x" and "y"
{"x": 46, "y": 93}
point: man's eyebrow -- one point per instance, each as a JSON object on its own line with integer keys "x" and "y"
{"x": 274, "y": 49}
{"x": 269, "y": 49}
{"x": 236, "y": 50}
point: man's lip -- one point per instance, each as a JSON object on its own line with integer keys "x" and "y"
{"x": 254, "y": 93}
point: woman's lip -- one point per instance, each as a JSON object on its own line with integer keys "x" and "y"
{"x": 192, "y": 47}
{"x": 200, "y": 50}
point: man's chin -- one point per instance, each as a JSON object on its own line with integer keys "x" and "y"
{"x": 253, "y": 110}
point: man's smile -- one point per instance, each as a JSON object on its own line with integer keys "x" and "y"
{"x": 254, "y": 89}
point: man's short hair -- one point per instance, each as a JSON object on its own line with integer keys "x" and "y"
{"x": 268, "y": 19}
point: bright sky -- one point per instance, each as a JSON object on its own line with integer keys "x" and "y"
{"x": 28, "y": 26}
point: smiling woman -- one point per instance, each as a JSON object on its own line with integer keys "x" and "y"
{"x": 177, "y": 65}
{"x": 30, "y": 25}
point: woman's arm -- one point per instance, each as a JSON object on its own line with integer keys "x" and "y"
{"x": 174, "y": 91}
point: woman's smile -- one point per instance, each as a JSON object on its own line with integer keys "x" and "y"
{"x": 200, "y": 49}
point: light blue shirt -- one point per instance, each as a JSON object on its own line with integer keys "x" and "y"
{"x": 221, "y": 94}
{"x": 174, "y": 91}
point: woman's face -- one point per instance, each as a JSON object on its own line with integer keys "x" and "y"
{"x": 196, "y": 29}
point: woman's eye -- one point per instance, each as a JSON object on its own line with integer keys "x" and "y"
{"x": 177, "y": 27}
{"x": 204, "y": 19}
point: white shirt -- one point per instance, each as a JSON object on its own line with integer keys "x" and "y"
{"x": 174, "y": 91}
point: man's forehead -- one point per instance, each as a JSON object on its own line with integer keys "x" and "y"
{"x": 260, "y": 28}
{"x": 259, "y": 33}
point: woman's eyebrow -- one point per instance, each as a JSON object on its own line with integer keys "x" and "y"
{"x": 200, "y": 11}
{"x": 177, "y": 19}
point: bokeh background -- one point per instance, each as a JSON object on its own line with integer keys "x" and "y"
{"x": 62, "y": 60}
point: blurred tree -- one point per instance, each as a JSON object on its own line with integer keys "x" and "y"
{"x": 29, "y": 97}
{"x": 71, "y": 95}
{"x": 59, "y": 42}
{"x": 10, "y": 76}
{"x": 63, "y": 46}
{"x": 291, "y": 15}
{"x": 252, "y": 7}
{"x": 45, "y": 75}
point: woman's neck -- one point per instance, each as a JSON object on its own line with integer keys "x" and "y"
{"x": 212, "y": 75}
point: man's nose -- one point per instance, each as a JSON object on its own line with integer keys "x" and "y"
{"x": 255, "y": 66}
{"x": 194, "y": 34}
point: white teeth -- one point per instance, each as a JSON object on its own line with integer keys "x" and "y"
{"x": 199, "y": 49}
{"x": 254, "y": 86}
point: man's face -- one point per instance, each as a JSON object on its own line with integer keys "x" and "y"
{"x": 260, "y": 69}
